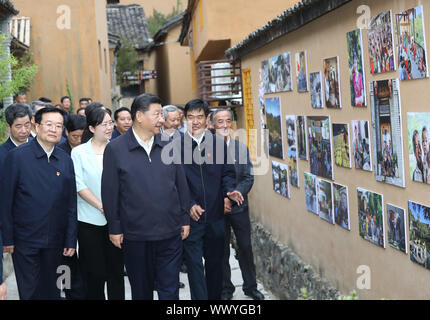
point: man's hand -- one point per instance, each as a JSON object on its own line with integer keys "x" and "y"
{"x": 227, "y": 205}
{"x": 116, "y": 239}
{"x": 8, "y": 249}
{"x": 195, "y": 212}
{"x": 236, "y": 196}
{"x": 185, "y": 232}
{"x": 3, "y": 291}
{"x": 69, "y": 252}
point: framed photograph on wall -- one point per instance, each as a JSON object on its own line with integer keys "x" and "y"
{"x": 273, "y": 117}
{"x": 419, "y": 146}
{"x": 341, "y": 146}
{"x": 396, "y": 225}
{"x": 387, "y": 132}
{"x": 302, "y": 146}
{"x": 371, "y": 216}
{"x": 311, "y": 192}
{"x": 381, "y": 43}
{"x": 341, "y": 206}
{"x": 361, "y": 145}
{"x": 332, "y": 89}
{"x": 302, "y": 71}
{"x": 357, "y": 76}
{"x": 292, "y": 150}
{"x": 316, "y": 90}
{"x": 325, "y": 200}
{"x": 320, "y": 149}
{"x": 280, "y": 179}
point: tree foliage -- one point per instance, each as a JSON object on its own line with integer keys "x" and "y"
{"x": 128, "y": 60}
{"x": 158, "y": 18}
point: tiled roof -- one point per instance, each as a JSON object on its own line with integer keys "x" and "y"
{"x": 291, "y": 19}
{"x": 172, "y": 22}
{"x": 8, "y": 5}
{"x": 129, "y": 22}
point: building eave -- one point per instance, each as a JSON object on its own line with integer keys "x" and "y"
{"x": 290, "y": 20}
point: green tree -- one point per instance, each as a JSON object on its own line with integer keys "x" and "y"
{"x": 23, "y": 74}
{"x": 158, "y": 18}
{"x": 128, "y": 60}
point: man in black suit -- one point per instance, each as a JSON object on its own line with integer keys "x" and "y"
{"x": 18, "y": 121}
{"x": 237, "y": 217}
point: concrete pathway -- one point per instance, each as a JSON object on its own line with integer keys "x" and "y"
{"x": 184, "y": 294}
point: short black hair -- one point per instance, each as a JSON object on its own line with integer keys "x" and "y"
{"x": 76, "y": 122}
{"x": 81, "y": 108}
{"x": 41, "y": 112}
{"x": 16, "y": 110}
{"x": 92, "y": 106}
{"x": 64, "y": 98}
{"x": 142, "y": 103}
{"x": 109, "y": 111}
{"x": 196, "y": 104}
{"x": 44, "y": 99}
{"x": 19, "y": 94}
{"x": 95, "y": 116}
{"x": 84, "y": 99}
{"x": 116, "y": 113}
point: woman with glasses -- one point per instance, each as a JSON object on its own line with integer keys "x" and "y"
{"x": 100, "y": 260}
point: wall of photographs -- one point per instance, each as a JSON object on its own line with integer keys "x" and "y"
{"x": 349, "y": 142}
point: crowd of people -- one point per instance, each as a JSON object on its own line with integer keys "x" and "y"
{"x": 97, "y": 195}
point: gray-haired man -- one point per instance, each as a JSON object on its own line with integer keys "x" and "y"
{"x": 236, "y": 216}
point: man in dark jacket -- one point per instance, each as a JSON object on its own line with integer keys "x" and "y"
{"x": 18, "y": 121}
{"x": 237, "y": 217}
{"x": 146, "y": 202}
{"x": 38, "y": 208}
{"x": 210, "y": 179}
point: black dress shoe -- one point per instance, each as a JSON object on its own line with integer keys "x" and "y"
{"x": 255, "y": 294}
{"x": 181, "y": 285}
{"x": 226, "y": 296}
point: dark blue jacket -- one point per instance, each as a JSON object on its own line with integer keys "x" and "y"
{"x": 65, "y": 146}
{"x": 115, "y": 133}
{"x": 143, "y": 198}
{"x": 38, "y": 198}
{"x": 244, "y": 175}
{"x": 4, "y": 150}
{"x": 210, "y": 174}
{"x": 1, "y": 256}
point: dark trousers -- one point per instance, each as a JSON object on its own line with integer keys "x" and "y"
{"x": 206, "y": 240}
{"x": 242, "y": 230}
{"x": 154, "y": 265}
{"x": 77, "y": 286}
{"x": 100, "y": 262}
{"x": 36, "y": 272}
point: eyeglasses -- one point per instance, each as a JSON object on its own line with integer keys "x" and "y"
{"x": 50, "y": 125}
{"x": 107, "y": 124}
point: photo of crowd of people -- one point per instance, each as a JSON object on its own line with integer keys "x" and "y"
{"x": 292, "y": 150}
{"x": 316, "y": 90}
{"x": 371, "y": 216}
{"x": 341, "y": 206}
{"x": 273, "y": 116}
{"x": 419, "y": 234}
{"x": 302, "y": 71}
{"x": 332, "y": 83}
{"x": 325, "y": 200}
{"x": 301, "y": 137}
{"x": 277, "y": 74}
{"x": 387, "y": 132}
{"x": 311, "y": 192}
{"x": 411, "y": 42}
{"x": 342, "y": 154}
{"x": 320, "y": 150}
{"x": 381, "y": 48}
{"x": 356, "y": 68}
{"x": 396, "y": 228}
{"x": 419, "y": 148}
{"x": 361, "y": 145}
{"x": 280, "y": 179}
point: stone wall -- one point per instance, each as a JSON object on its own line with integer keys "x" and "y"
{"x": 282, "y": 272}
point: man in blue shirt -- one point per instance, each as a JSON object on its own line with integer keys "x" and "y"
{"x": 38, "y": 208}
{"x": 123, "y": 122}
{"x": 18, "y": 121}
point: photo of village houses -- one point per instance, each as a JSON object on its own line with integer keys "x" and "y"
{"x": 419, "y": 233}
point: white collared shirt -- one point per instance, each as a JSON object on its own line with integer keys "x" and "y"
{"x": 198, "y": 141}
{"x": 16, "y": 145}
{"x": 145, "y": 146}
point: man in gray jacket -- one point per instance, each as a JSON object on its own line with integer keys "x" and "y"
{"x": 236, "y": 216}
